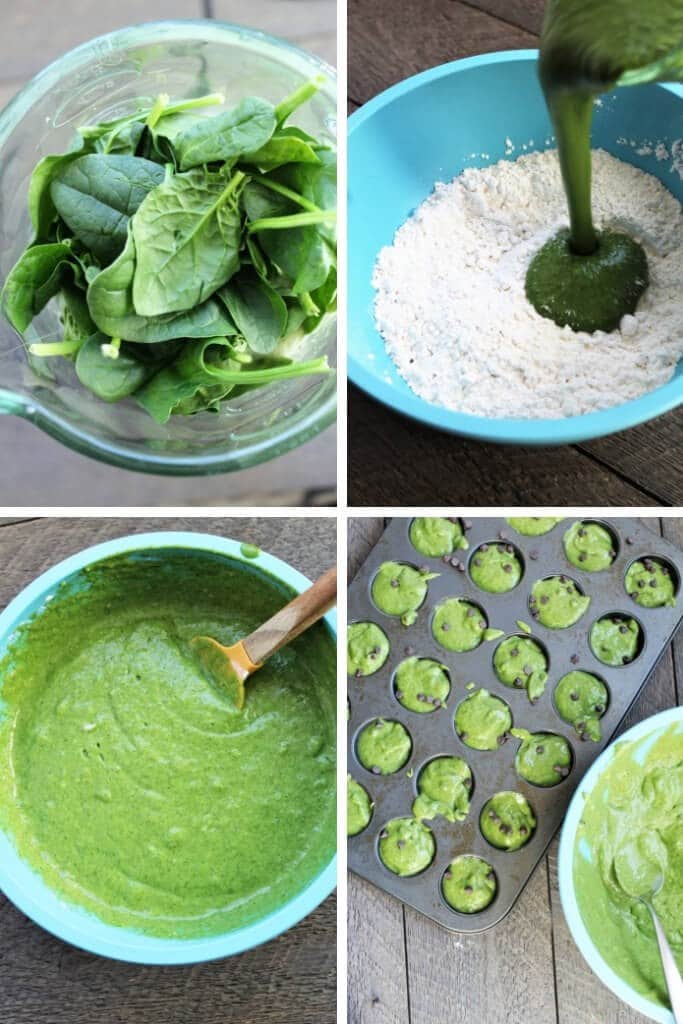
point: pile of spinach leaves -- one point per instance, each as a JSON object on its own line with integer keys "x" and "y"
{"x": 186, "y": 248}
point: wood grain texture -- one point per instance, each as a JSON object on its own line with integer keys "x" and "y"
{"x": 529, "y": 960}
{"x": 393, "y": 460}
{"x": 389, "y": 41}
{"x": 292, "y": 978}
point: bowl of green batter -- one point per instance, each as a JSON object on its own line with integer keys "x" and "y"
{"x": 142, "y": 816}
{"x": 624, "y": 823}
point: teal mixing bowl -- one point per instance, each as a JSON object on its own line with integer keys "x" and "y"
{"x": 28, "y": 891}
{"x": 643, "y": 734}
{"x": 426, "y": 129}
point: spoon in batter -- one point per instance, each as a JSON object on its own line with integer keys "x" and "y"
{"x": 638, "y": 868}
{"x": 228, "y": 668}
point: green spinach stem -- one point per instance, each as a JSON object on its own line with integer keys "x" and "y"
{"x": 293, "y": 220}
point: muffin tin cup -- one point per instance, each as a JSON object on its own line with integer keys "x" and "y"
{"x": 434, "y": 734}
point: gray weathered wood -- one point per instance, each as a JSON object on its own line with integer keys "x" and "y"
{"x": 292, "y": 978}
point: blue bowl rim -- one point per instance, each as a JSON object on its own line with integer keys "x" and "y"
{"x": 76, "y": 926}
{"x": 587, "y": 948}
{"x": 569, "y": 430}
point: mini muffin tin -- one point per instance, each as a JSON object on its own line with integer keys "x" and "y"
{"x": 434, "y": 735}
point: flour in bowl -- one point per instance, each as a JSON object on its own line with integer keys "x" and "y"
{"x": 453, "y": 312}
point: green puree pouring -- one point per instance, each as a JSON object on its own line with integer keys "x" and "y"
{"x": 631, "y": 829}
{"x": 133, "y": 787}
{"x": 581, "y": 277}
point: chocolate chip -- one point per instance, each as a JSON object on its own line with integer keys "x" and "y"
{"x": 582, "y": 532}
{"x": 523, "y": 830}
{"x": 573, "y": 695}
{"x": 626, "y": 659}
{"x": 514, "y": 652}
{"x": 484, "y": 547}
{"x": 379, "y": 723}
{"x": 471, "y": 612}
{"x": 493, "y": 815}
{"x": 448, "y": 874}
{"x": 420, "y": 697}
{"x": 482, "y": 624}
{"x": 574, "y": 659}
{"x": 477, "y": 562}
{"x": 358, "y": 673}
{"x": 384, "y": 834}
{"x": 394, "y": 583}
{"x": 665, "y": 571}
{"x": 376, "y": 770}
{"x": 501, "y": 739}
{"x": 509, "y": 548}
{"x": 491, "y": 877}
{"x": 467, "y": 524}
{"x": 561, "y": 770}
{"x": 445, "y": 626}
{"x": 436, "y": 702}
{"x": 462, "y": 735}
{"x": 507, "y": 567}
{"x": 453, "y": 562}
{"x": 630, "y": 540}
{"x": 409, "y": 650}
{"x": 446, "y": 558}
{"x": 583, "y": 556}
{"x": 533, "y": 554}
{"x": 641, "y": 583}
{"x": 623, "y": 629}
{"x": 518, "y": 682}
{"x": 505, "y": 829}
{"x": 653, "y": 583}
{"x": 613, "y": 555}
{"x": 540, "y": 749}
{"x": 424, "y": 568}
{"x": 501, "y": 549}
{"x": 400, "y": 843}
{"x": 399, "y": 694}
{"x": 503, "y": 535}
{"x": 580, "y": 726}
{"x": 563, "y": 579}
{"x": 599, "y": 708}
{"x": 527, "y": 670}
{"x": 467, "y": 888}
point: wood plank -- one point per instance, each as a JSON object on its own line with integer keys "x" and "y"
{"x": 672, "y": 529}
{"x": 526, "y": 14}
{"x": 387, "y": 41}
{"x": 393, "y": 460}
{"x": 292, "y": 978}
{"x": 496, "y": 976}
{"x": 648, "y": 453}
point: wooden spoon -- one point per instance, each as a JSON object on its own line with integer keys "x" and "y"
{"x": 228, "y": 668}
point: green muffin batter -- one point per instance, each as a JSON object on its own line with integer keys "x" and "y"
{"x": 435, "y": 537}
{"x": 383, "y": 747}
{"x": 615, "y": 640}
{"x": 367, "y": 648}
{"x": 358, "y": 807}
{"x": 507, "y": 821}
{"x": 543, "y": 758}
{"x": 400, "y": 589}
{"x": 482, "y": 721}
{"x": 581, "y": 700}
{"x": 631, "y": 829}
{"x": 469, "y": 884}
{"x": 421, "y": 684}
{"x": 521, "y": 662}
{"x": 406, "y": 846}
{"x": 459, "y": 625}
{"x": 650, "y": 584}
{"x": 496, "y": 568}
{"x": 132, "y": 786}
{"x": 534, "y": 526}
{"x": 589, "y": 546}
{"x": 557, "y": 602}
{"x": 444, "y": 788}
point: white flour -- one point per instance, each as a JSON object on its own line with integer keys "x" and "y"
{"x": 452, "y": 309}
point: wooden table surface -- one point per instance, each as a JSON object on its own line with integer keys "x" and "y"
{"x": 395, "y": 461}
{"x": 291, "y": 979}
{"x": 404, "y": 969}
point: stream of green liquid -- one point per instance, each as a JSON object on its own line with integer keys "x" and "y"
{"x": 585, "y": 278}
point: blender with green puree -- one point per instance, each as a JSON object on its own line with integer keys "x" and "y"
{"x": 383, "y": 747}
{"x": 581, "y": 700}
{"x": 421, "y": 684}
{"x": 615, "y": 640}
{"x": 444, "y": 788}
{"x": 133, "y": 787}
{"x": 650, "y": 584}
{"x": 367, "y": 648}
{"x": 483, "y": 721}
{"x": 399, "y": 589}
{"x": 589, "y": 546}
{"x": 521, "y": 662}
{"x": 469, "y": 884}
{"x": 631, "y": 830}
{"x": 435, "y": 537}
{"x": 406, "y": 846}
{"x": 543, "y": 758}
{"x": 358, "y": 807}
{"x": 557, "y": 602}
{"x": 534, "y": 526}
{"x": 496, "y": 568}
{"x": 581, "y": 277}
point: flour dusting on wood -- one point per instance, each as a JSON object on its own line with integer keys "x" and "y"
{"x": 452, "y": 309}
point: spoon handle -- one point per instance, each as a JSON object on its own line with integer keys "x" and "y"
{"x": 671, "y": 972}
{"x": 293, "y": 619}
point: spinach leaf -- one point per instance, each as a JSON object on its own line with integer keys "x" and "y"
{"x": 109, "y": 379}
{"x": 185, "y": 386}
{"x": 123, "y": 139}
{"x": 260, "y": 314}
{"x": 97, "y": 193}
{"x": 301, "y": 253}
{"x": 33, "y": 281}
{"x": 226, "y": 137}
{"x": 110, "y": 300}
{"x": 284, "y": 147}
{"x": 40, "y": 205}
{"x": 75, "y": 315}
{"x": 187, "y": 236}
